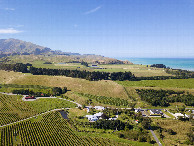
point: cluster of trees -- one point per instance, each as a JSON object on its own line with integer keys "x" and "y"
{"x": 84, "y": 63}
{"x": 47, "y": 63}
{"x": 158, "y": 65}
{"x": 92, "y": 76}
{"x": 111, "y": 124}
{"x": 180, "y": 73}
{"x": 164, "y": 97}
{"x": 56, "y": 91}
{"x": 18, "y": 67}
{"x": 136, "y": 135}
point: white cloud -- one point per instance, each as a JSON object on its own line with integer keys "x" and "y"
{"x": 9, "y": 31}
{"x": 93, "y": 10}
{"x": 9, "y": 9}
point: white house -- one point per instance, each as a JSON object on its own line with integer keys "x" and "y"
{"x": 179, "y": 115}
{"x": 94, "y": 117}
{"x": 99, "y": 108}
{"x": 98, "y": 115}
{"x": 88, "y": 110}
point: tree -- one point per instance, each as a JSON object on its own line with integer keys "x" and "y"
{"x": 64, "y": 90}
{"x": 104, "y": 116}
{"x": 146, "y": 122}
{"x": 56, "y": 91}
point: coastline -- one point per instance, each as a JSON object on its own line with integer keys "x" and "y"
{"x": 175, "y": 63}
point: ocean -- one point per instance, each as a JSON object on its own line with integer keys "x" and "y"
{"x": 175, "y": 63}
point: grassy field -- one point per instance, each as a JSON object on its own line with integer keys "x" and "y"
{"x": 103, "y": 88}
{"x": 6, "y": 77}
{"x": 171, "y": 83}
{"x": 137, "y": 70}
{"x": 181, "y": 128}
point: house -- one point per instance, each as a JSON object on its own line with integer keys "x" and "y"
{"x": 101, "y": 108}
{"x": 30, "y": 97}
{"x": 88, "y": 110}
{"x": 94, "y": 117}
{"x": 89, "y": 106}
{"x": 177, "y": 115}
{"x": 98, "y": 115}
{"x": 137, "y": 110}
{"x": 154, "y": 112}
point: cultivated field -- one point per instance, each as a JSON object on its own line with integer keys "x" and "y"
{"x": 52, "y": 129}
{"x": 13, "y": 109}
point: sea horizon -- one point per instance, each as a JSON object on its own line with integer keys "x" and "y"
{"x": 175, "y": 63}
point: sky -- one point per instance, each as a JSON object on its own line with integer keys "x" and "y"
{"x": 112, "y": 28}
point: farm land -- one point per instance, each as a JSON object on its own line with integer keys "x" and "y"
{"x": 106, "y": 93}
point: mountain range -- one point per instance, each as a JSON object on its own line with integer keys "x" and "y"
{"x": 12, "y": 47}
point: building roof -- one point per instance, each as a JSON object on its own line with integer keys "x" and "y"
{"x": 156, "y": 111}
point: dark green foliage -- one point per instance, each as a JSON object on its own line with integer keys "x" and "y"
{"x": 136, "y": 135}
{"x": 158, "y": 65}
{"x": 56, "y": 91}
{"x": 104, "y": 116}
{"x": 47, "y": 63}
{"x": 18, "y": 67}
{"x": 122, "y": 76}
{"x": 164, "y": 97}
{"x": 84, "y": 63}
{"x": 146, "y": 122}
{"x": 111, "y": 124}
{"x": 171, "y": 132}
{"x": 180, "y": 73}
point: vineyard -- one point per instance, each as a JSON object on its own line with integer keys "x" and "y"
{"x": 106, "y": 100}
{"x": 13, "y": 109}
{"x": 52, "y": 129}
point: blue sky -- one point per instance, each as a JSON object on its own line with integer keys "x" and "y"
{"x": 114, "y": 28}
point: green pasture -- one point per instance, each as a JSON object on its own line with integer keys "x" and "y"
{"x": 170, "y": 83}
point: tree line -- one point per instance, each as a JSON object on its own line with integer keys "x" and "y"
{"x": 165, "y": 97}
{"x": 91, "y": 76}
{"x": 180, "y": 73}
{"x": 55, "y": 91}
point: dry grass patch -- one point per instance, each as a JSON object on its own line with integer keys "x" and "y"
{"x": 6, "y": 77}
{"x": 103, "y": 88}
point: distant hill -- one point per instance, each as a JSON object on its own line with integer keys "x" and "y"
{"x": 12, "y": 47}
{"x": 17, "y": 46}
